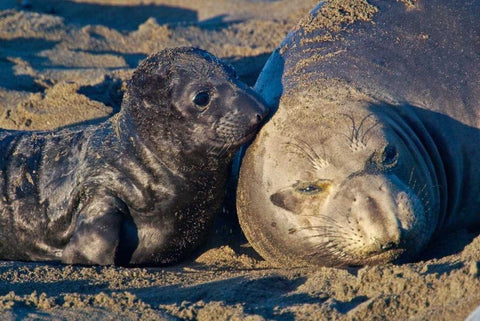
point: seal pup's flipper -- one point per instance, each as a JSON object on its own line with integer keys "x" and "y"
{"x": 97, "y": 236}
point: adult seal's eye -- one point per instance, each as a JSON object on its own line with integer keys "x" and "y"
{"x": 389, "y": 157}
{"x": 309, "y": 189}
{"x": 202, "y": 100}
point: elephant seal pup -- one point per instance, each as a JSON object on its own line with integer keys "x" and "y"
{"x": 373, "y": 149}
{"x": 140, "y": 188}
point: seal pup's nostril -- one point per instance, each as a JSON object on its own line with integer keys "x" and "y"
{"x": 257, "y": 118}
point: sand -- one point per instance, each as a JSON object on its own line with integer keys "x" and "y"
{"x": 65, "y": 62}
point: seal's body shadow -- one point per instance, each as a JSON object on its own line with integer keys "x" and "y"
{"x": 103, "y": 14}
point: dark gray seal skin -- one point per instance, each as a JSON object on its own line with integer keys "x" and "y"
{"x": 140, "y": 188}
{"x": 373, "y": 149}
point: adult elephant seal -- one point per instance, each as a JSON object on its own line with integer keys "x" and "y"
{"x": 142, "y": 187}
{"x": 374, "y": 147}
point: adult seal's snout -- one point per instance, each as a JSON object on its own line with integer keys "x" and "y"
{"x": 141, "y": 188}
{"x": 371, "y": 151}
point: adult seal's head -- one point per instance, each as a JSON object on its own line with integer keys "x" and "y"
{"x": 346, "y": 189}
{"x": 370, "y": 151}
{"x": 188, "y": 98}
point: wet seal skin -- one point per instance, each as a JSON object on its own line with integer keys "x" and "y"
{"x": 140, "y": 188}
{"x": 373, "y": 149}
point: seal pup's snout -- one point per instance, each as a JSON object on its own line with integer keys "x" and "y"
{"x": 256, "y": 119}
{"x": 263, "y": 111}
{"x": 248, "y": 114}
{"x": 259, "y": 117}
{"x": 255, "y": 106}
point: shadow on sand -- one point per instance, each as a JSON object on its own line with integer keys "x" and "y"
{"x": 119, "y": 17}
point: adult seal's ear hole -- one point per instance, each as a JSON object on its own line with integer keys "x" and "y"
{"x": 383, "y": 160}
{"x": 389, "y": 157}
{"x": 141, "y": 188}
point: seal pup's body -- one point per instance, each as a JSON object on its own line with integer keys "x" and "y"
{"x": 374, "y": 146}
{"x": 140, "y": 188}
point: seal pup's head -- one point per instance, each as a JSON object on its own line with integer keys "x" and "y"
{"x": 346, "y": 186}
{"x": 188, "y": 102}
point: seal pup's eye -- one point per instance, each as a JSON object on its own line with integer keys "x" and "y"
{"x": 389, "y": 156}
{"x": 202, "y": 100}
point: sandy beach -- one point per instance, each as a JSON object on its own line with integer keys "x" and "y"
{"x": 64, "y": 62}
